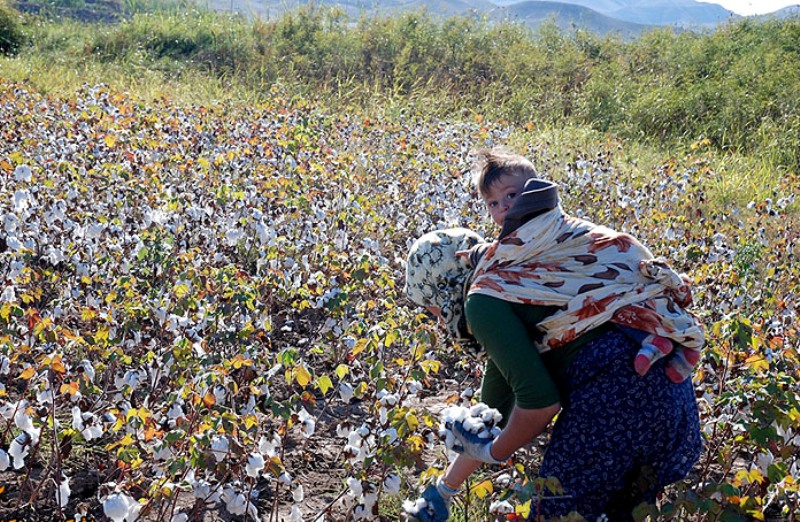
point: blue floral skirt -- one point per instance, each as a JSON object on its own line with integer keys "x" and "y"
{"x": 620, "y": 437}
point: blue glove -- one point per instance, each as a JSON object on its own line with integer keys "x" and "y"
{"x": 473, "y": 446}
{"x": 437, "y": 504}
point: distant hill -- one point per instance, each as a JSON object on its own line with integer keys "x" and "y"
{"x": 568, "y": 16}
{"x": 683, "y": 13}
{"x": 786, "y": 12}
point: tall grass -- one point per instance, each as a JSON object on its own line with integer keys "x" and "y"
{"x": 735, "y": 88}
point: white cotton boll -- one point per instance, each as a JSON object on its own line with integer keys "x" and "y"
{"x": 19, "y": 449}
{"x": 175, "y": 411}
{"x": 763, "y": 461}
{"x": 391, "y": 484}
{"x": 298, "y": 493}
{"x": 269, "y": 447}
{"x": 22, "y": 200}
{"x": 346, "y": 391}
{"x": 361, "y": 512}
{"x": 285, "y": 478}
{"x": 354, "y": 485}
{"x": 491, "y": 416}
{"x": 203, "y": 490}
{"x": 309, "y": 423}
{"x": 501, "y": 507}
{"x": 351, "y": 452}
{"x": 296, "y": 514}
{"x": 13, "y": 243}
{"x": 45, "y": 397}
{"x": 93, "y": 430}
{"x": 387, "y": 399}
{"x": 21, "y": 418}
{"x": 413, "y": 507}
{"x": 237, "y": 505}
{"x": 219, "y": 446}
{"x": 179, "y": 517}
{"x": 63, "y": 491}
{"x": 88, "y": 370}
{"x": 390, "y": 434}
{"x": 255, "y": 464}
{"x": 163, "y": 453}
{"x": 343, "y": 430}
{"x": 455, "y": 413}
{"x": 413, "y": 387}
{"x": 5, "y": 462}
{"x": 23, "y": 173}
{"x": 77, "y": 419}
{"x": 473, "y": 425}
{"x": 121, "y": 507}
{"x": 504, "y": 480}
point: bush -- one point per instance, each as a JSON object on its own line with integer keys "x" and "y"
{"x": 11, "y": 36}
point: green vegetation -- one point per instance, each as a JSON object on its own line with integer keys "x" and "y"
{"x": 11, "y": 36}
{"x": 735, "y": 87}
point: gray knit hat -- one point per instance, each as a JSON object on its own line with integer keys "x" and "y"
{"x": 435, "y": 276}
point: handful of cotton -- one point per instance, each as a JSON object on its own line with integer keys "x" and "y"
{"x": 479, "y": 420}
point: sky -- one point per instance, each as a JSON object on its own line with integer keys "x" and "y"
{"x": 751, "y": 7}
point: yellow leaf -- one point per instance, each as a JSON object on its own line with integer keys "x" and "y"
{"x": 757, "y": 362}
{"x": 482, "y": 489}
{"x": 361, "y": 344}
{"x": 430, "y": 366}
{"x": 209, "y": 400}
{"x": 181, "y": 290}
{"x": 324, "y": 383}
{"x": 71, "y": 388}
{"x": 415, "y": 443}
{"x": 302, "y": 376}
{"x": 756, "y": 476}
{"x": 523, "y": 510}
{"x": 412, "y": 421}
{"x": 110, "y": 140}
{"x": 341, "y": 371}
{"x": 250, "y": 421}
{"x": 27, "y": 373}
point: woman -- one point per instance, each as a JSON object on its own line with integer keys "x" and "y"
{"x": 546, "y": 323}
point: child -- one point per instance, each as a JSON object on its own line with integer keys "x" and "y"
{"x": 513, "y": 194}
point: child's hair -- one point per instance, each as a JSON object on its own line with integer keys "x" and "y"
{"x": 497, "y": 162}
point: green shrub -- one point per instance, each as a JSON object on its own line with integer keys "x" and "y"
{"x": 11, "y": 36}
{"x": 735, "y": 87}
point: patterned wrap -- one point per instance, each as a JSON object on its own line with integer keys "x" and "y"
{"x": 437, "y": 277}
{"x": 594, "y": 273}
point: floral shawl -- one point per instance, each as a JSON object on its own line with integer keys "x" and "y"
{"x": 594, "y": 274}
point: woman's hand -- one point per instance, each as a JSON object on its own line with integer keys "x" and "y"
{"x": 433, "y": 505}
{"x": 472, "y": 445}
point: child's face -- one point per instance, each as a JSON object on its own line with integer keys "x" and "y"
{"x": 501, "y": 196}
